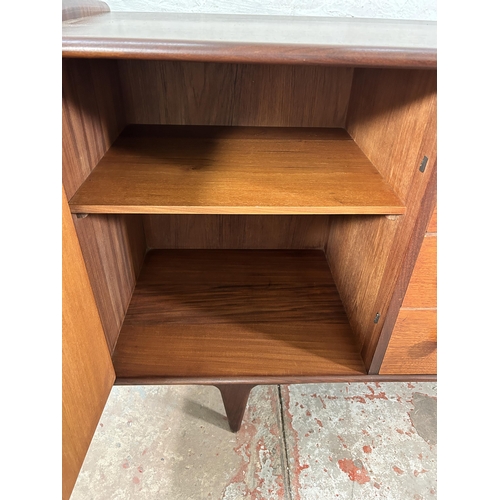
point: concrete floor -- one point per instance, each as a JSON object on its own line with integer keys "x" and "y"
{"x": 298, "y": 442}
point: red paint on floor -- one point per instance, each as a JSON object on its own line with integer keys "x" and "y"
{"x": 367, "y": 448}
{"x": 342, "y": 441}
{"x": 358, "y": 399}
{"x": 416, "y": 473}
{"x": 244, "y": 441}
{"x": 372, "y": 396}
{"x": 355, "y": 473}
{"x": 397, "y": 470}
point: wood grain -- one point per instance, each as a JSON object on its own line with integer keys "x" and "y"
{"x": 183, "y": 93}
{"x": 87, "y": 371}
{"x": 432, "y": 227}
{"x": 238, "y": 232}
{"x": 392, "y": 118}
{"x": 223, "y": 313}
{"x": 422, "y": 289}
{"x": 412, "y": 348}
{"x": 426, "y": 203}
{"x": 229, "y": 170}
{"x": 113, "y": 246}
{"x": 92, "y": 117}
{"x": 253, "y": 39}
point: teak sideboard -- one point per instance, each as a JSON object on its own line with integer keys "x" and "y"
{"x": 246, "y": 200}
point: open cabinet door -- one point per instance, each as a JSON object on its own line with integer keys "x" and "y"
{"x": 88, "y": 373}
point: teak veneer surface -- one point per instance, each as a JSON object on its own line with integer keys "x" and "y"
{"x": 432, "y": 227}
{"x": 235, "y": 313}
{"x": 422, "y": 289}
{"x": 87, "y": 371}
{"x": 231, "y": 94}
{"x": 255, "y": 39}
{"x": 235, "y": 170}
{"x": 236, "y": 232}
{"x": 413, "y": 344}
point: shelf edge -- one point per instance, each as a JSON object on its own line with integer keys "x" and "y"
{"x": 232, "y": 52}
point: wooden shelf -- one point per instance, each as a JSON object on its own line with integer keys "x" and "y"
{"x": 253, "y": 39}
{"x": 235, "y": 170}
{"x": 241, "y": 314}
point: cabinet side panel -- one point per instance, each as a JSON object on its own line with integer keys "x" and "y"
{"x": 191, "y": 93}
{"x": 113, "y": 246}
{"x": 92, "y": 116}
{"x": 87, "y": 372}
{"x": 236, "y": 231}
{"x": 392, "y": 118}
{"x": 412, "y": 349}
{"x": 422, "y": 289}
{"x": 432, "y": 227}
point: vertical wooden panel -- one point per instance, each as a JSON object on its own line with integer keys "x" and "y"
{"x": 412, "y": 348}
{"x": 391, "y": 114}
{"x": 87, "y": 371}
{"x": 291, "y": 96}
{"x": 422, "y": 289}
{"x": 392, "y": 117}
{"x": 236, "y": 231}
{"x": 159, "y": 92}
{"x": 189, "y": 93}
{"x": 92, "y": 116}
{"x": 113, "y": 246}
{"x": 432, "y": 227}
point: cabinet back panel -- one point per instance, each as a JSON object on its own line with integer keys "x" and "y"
{"x": 236, "y": 231}
{"x": 192, "y": 93}
{"x": 113, "y": 246}
{"x": 392, "y": 118}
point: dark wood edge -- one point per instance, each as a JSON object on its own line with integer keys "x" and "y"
{"x": 76, "y": 9}
{"x": 274, "y": 380}
{"x": 427, "y": 207}
{"x": 226, "y": 52}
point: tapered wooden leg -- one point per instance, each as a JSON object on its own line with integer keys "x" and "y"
{"x": 235, "y": 397}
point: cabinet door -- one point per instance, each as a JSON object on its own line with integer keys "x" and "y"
{"x": 88, "y": 373}
{"x": 413, "y": 345}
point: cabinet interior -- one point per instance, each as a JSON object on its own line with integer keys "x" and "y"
{"x": 285, "y": 284}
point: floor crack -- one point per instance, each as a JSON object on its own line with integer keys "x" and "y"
{"x": 284, "y": 453}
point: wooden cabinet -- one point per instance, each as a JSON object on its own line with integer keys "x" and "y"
{"x": 413, "y": 345}
{"x": 250, "y": 198}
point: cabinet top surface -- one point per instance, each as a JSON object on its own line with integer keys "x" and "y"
{"x": 252, "y": 38}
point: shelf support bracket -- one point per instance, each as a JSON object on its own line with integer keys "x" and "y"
{"x": 235, "y": 397}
